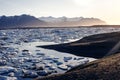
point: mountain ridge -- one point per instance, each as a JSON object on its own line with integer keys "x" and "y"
{"x": 75, "y": 21}
{"x": 25, "y": 20}
{"x": 19, "y": 21}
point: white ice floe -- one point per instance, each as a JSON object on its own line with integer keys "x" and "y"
{"x": 8, "y": 78}
{"x": 67, "y": 58}
{"x": 63, "y": 67}
{"x": 6, "y": 69}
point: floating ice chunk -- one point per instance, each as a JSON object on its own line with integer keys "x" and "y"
{"x": 6, "y": 69}
{"x": 78, "y": 58}
{"x": 39, "y": 66}
{"x": 35, "y": 60}
{"x": 66, "y": 59}
{"x": 26, "y": 52}
{"x": 39, "y": 53}
{"x": 7, "y": 78}
{"x": 52, "y": 67}
{"x": 11, "y": 74}
{"x": 63, "y": 67}
{"x": 59, "y": 63}
{"x": 3, "y": 62}
{"x": 29, "y": 74}
{"x": 43, "y": 73}
{"x": 48, "y": 58}
{"x": 48, "y": 65}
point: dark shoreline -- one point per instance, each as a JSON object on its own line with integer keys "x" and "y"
{"x": 95, "y": 46}
{"x": 104, "y": 26}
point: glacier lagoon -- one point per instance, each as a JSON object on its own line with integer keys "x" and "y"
{"x": 21, "y": 59}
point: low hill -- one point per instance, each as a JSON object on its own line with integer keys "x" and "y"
{"x": 107, "y": 68}
{"x": 96, "y": 46}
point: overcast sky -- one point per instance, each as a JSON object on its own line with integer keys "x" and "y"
{"x": 108, "y": 10}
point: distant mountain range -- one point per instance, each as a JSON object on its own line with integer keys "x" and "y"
{"x": 24, "y": 21}
{"x": 60, "y": 19}
{"x": 75, "y": 21}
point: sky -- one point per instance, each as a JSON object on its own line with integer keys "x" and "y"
{"x": 107, "y": 10}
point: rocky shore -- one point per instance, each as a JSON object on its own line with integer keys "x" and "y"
{"x": 103, "y": 69}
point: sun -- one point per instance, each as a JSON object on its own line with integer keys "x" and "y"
{"x": 82, "y": 2}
